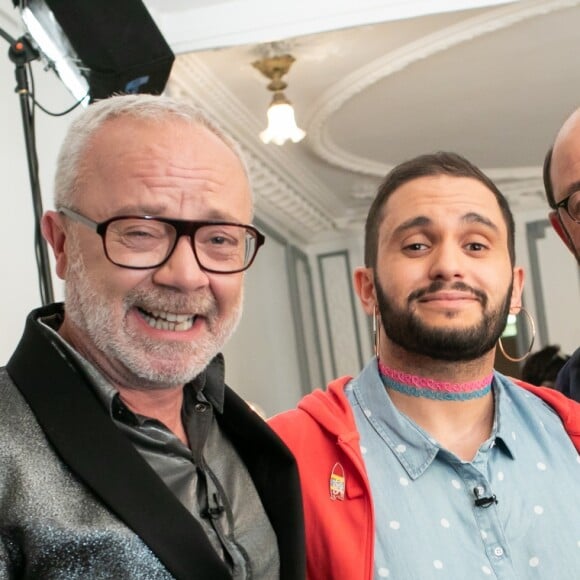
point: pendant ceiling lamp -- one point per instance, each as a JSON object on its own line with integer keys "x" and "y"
{"x": 281, "y": 121}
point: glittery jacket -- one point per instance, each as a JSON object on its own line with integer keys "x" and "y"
{"x": 78, "y": 501}
{"x": 322, "y": 433}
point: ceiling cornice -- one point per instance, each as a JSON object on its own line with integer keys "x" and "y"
{"x": 336, "y": 96}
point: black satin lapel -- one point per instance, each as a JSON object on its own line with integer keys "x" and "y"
{"x": 274, "y": 473}
{"x": 84, "y": 436}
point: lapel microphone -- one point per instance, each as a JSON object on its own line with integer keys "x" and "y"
{"x": 481, "y": 500}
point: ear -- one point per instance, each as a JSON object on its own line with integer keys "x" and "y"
{"x": 364, "y": 286}
{"x": 54, "y": 233}
{"x": 517, "y": 289}
{"x": 557, "y": 224}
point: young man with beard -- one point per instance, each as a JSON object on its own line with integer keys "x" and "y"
{"x": 562, "y": 184}
{"x": 123, "y": 453}
{"x": 429, "y": 462}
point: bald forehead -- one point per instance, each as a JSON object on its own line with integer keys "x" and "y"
{"x": 570, "y": 129}
{"x": 566, "y": 155}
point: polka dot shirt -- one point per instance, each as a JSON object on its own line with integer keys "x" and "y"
{"x": 427, "y": 521}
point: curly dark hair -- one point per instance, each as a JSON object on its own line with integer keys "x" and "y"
{"x": 542, "y": 367}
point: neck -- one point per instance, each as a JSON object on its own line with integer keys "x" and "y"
{"x": 445, "y": 371}
{"x": 459, "y": 425}
{"x": 163, "y": 404}
{"x": 417, "y": 386}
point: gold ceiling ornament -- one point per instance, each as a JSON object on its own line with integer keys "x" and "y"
{"x": 281, "y": 120}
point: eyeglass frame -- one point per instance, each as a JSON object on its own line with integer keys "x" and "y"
{"x": 564, "y": 205}
{"x": 181, "y": 227}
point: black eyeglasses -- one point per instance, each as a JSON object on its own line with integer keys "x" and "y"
{"x": 142, "y": 242}
{"x": 571, "y": 204}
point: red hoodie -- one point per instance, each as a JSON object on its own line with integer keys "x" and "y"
{"x": 322, "y": 432}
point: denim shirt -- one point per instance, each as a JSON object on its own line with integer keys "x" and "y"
{"x": 427, "y": 522}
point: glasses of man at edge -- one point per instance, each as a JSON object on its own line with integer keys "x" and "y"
{"x": 571, "y": 204}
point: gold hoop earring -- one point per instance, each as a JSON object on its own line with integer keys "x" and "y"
{"x": 376, "y": 332}
{"x": 533, "y": 328}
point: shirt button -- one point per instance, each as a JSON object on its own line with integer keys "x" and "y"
{"x": 480, "y": 490}
{"x": 201, "y": 407}
{"x": 498, "y": 552}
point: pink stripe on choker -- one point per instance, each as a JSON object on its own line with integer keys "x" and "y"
{"x": 422, "y": 386}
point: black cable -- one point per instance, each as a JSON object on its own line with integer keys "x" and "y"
{"x": 32, "y": 93}
{"x": 65, "y": 112}
{"x": 44, "y": 109}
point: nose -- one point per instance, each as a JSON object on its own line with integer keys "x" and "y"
{"x": 447, "y": 262}
{"x": 182, "y": 271}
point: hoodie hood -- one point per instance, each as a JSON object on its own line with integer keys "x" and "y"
{"x": 331, "y": 409}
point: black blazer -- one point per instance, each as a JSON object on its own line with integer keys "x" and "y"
{"x": 79, "y": 428}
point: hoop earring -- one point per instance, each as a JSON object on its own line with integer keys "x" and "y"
{"x": 376, "y": 332}
{"x": 533, "y": 328}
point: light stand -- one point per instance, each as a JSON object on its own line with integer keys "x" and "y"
{"x": 21, "y": 53}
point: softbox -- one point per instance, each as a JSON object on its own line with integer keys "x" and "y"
{"x": 117, "y": 44}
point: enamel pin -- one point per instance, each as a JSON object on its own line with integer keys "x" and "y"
{"x": 337, "y": 482}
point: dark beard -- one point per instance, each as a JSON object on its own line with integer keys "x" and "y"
{"x": 409, "y": 332}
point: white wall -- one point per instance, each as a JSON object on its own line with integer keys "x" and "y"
{"x": 559, "y": 283}
{"x": 261, "y": 358}
{"x": 19, "y": 285}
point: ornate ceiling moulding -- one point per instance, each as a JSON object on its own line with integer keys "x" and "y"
{"x": 283, "y": 189}
{"x": 340, "y": 93}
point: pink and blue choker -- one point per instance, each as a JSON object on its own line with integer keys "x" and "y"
{"x": 431, "y": 389}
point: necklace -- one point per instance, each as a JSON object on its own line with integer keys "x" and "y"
{"x": 432, "y": 389}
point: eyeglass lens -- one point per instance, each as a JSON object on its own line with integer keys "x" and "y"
{"x": 146, "y": 243}
{"x": 574, "y": 206}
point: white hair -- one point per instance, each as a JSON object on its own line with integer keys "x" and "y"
{"x": 69, "y": 167}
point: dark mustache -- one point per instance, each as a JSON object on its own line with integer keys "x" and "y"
{"x": 439, "y": 285}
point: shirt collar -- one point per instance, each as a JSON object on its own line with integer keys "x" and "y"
{"x": 505, "y": 417}
{"x": 413, "y": 447}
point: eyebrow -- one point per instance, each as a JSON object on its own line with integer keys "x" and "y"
{"x": 571, "y": 189}
{"x": 470, "y": 218}
{"x": 476, "y": 218}
{"x": 412, "y": 223}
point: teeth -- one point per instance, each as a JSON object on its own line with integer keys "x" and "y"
{"x": 168, "y": 320}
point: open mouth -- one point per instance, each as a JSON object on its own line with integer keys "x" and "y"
{"x": 168, "y": 320}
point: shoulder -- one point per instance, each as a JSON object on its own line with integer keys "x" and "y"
{"x": 12, "y": 400}
{"x": 548, "y": 400}
{"x": 320, "y": 415}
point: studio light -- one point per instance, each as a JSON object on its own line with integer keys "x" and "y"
{"x": 281, "y": 120}
{"x": 99, "y": 48}
{"x": 55, "y": 48}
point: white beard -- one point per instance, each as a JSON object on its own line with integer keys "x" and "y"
{"x": 149, "y": 363}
